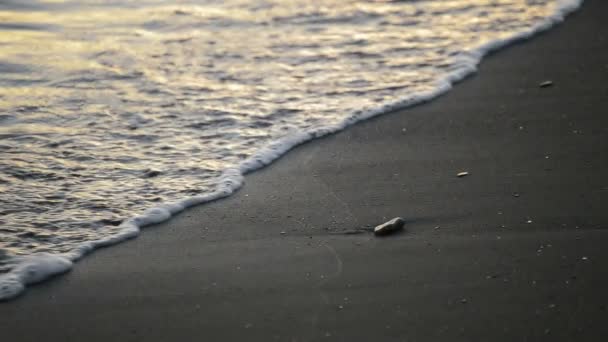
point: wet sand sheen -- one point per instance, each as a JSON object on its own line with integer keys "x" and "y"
{"x": 519, "y": 253}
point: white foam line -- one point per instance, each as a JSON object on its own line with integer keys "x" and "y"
{"x": 37, "y": 267}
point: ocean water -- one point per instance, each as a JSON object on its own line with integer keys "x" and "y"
{"x": 118, "y": 114}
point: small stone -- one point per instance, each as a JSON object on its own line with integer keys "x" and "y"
{"x": 464, "y": 301}
{"x": 515, "y": 194}
{"x": 546, "y": 84}
{"x": 584, "y": 258}
{"x": 462, "y": 174}
{"x": 283, "y": 233}
{"x": 389, "y": 227}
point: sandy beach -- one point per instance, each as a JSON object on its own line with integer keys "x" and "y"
{"x": 515, "y": 251}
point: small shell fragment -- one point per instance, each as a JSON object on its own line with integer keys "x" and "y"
{"x": 462, "y": 174}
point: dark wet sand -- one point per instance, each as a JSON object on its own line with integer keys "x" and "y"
{"x": 224, "y": 272}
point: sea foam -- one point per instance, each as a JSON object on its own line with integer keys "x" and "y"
{"x": 66, "y": 191}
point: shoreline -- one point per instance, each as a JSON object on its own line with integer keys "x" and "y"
{"x": 225, "y": 269}
{"x": 39, "y": 267}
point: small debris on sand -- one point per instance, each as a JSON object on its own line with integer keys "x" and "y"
{"x": 462, "y": 174}
{"x": 389, "y": 227}
{"x": 546, "y": 84}
{"x": 283, "y": 233}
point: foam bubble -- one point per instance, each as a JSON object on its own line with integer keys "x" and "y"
{"x": 31, "y": 269}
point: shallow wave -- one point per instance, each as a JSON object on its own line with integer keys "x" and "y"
{"x": 141, "y": 105}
